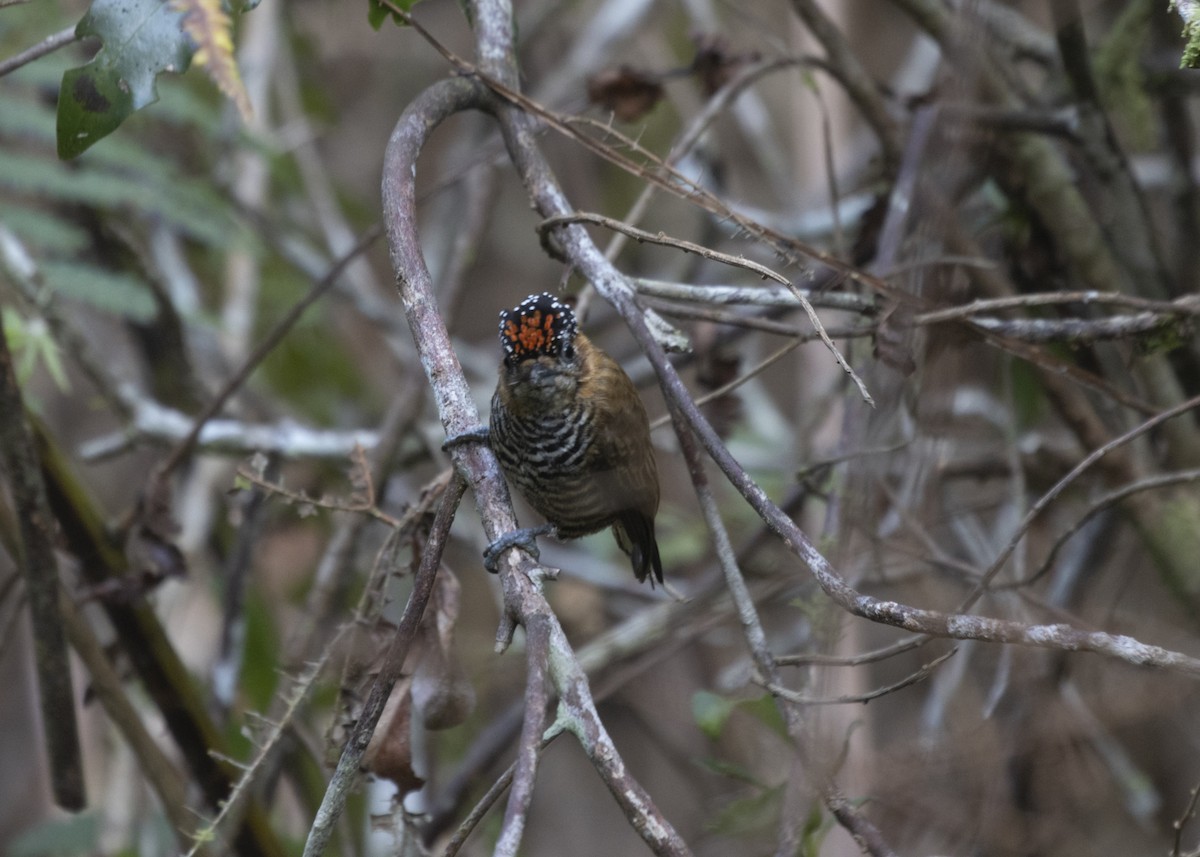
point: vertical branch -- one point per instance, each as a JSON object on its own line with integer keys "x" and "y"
{"x": 537, "y": 643}
{"x": 35, "y": 530}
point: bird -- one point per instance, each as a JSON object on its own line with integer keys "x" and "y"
{"x": 571, "y": 433}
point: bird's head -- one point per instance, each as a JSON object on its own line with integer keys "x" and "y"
{"x": 540, "y": 336}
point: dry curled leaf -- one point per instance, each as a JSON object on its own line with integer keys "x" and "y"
{"x": 629, "y": 93}
{"x": 390, "y": 753}
{"x": 441, "y": 693}
{"x": 893, "y": 338}
{"x": 714, "y": 66}
{"x": 149, "y": 547}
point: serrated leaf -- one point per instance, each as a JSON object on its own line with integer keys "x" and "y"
{"x": 142, "y": 39}
{"x": 210, "y": 30}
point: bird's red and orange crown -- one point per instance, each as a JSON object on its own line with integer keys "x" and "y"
{"x": 540, "y": 324}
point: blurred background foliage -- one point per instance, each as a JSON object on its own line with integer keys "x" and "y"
{"x": 138, "y": 277}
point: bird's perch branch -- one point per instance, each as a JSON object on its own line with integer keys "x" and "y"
{"x": 520, "y": 577}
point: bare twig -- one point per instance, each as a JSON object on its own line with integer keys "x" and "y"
{"x": 1180, "y": 823}
{"x": 763, "y": 271}
{"x": 263, "y": 349}
{"x": 46, "y": 46}
{"x": 537, "y": 696}
{"x": 1106, "y": 502}
{"x": 152, "y": 421}
{"x": 364, "y": 504}
{"x": 850, "y": 72}
{"x": 764, "y": 296}
{"x": 1060, "y": 486}
{"x": 160, "y": 772}
{"x": 1188, "y": 305}
{"x": 801, "y": 699}
{"x": 406, "y": 630}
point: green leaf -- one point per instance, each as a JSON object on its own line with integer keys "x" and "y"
{"x": 60, "y": 837}
{"x": 764, "y": 710}
{"x": 128, "y": 176}
{"x": 142, "y": 38}
{"x": 816, "y": 828}
{"x": 117, "y": 293}
{"x": 733, "y": 771}
{"x": 44, "y": 231}
{"x": 711, "y": 712}
{"x": 757, "y": 813}
{"x": 377, "y": 12}
{"x": 33, "y": 343}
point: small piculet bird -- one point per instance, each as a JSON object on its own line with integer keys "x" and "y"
{"x": 572, "y": 434}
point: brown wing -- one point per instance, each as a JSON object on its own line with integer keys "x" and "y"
{"x": 622, "y": 461}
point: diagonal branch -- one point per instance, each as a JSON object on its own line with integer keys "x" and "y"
{"x": 406, "y": 631}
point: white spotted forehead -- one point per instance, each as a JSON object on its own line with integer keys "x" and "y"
{"x": 550, "y": 302}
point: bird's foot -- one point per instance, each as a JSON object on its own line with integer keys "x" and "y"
{"x": 525, "y": 538}
{"x": 479, "y": 434}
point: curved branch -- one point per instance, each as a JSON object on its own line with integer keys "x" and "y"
{"x": 519, "y": 576}
{"x": 537, "y": 697}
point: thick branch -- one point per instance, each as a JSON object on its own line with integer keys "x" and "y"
{"x": 37, "y": 561}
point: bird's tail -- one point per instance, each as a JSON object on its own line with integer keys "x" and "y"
{"x": 635, "y": 536}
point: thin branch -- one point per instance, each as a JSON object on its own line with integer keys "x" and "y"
{"x": 1060, "y": 486}
{"x": 577, "y": 714}
{"x": 764, "y": 296}
{"x": 151, "y": 421}
{"x": 347, "y": 771}
{"x": 849, "y": 71}
{"x": 1106, "y": 502}
{"x": 920, "y": 675}
{"x": 583, "y": 253}
{"x": 660, "y": 174}
{"x": 692, "y": 134}
{"x": 364, "y": 504}
{"x": 519, "y": 577}
{"x": 1074, "y": 331}
{"x": 1189, "y": 813}
{"x": 263, "y": 350}
{"x": 763, "y": 271}
{"x": 46, "y": 46}
{"x": 529, "y": 747}
{"x": 1187, "y": 305}
{"x": 870, "y": 657}
{"x": 755, "y": 322}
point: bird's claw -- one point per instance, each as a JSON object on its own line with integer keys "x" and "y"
{"x": 479, "y": 434}
{"x": 525, "y": 539}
